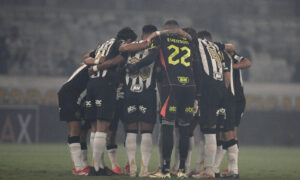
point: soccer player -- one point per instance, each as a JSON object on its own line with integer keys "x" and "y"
{"x": 174, "y": 54}
{"x": 70, "y": 97}
{"x": 140, "y": 106}
{"x": 238, "y": 103}
{"x": 211, "y": 96}
{"x": 101, "y": 94}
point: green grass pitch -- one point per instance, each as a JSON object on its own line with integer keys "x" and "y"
{"x": 52, "y": 161}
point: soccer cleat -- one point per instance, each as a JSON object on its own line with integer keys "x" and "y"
{"x": 203, "y": 174}
{"x": 181, "y": 174}
{"x": 229, "y": 175}
{"x": 156, "y": 171}
{"x": 132, "y": 173}
{"x": 82, "y": 172}
{"x": 160, "y": 175}
{"x": 117, "y": 170}
{"x": 127, "y": 169}
{"x": 144, "y": 173}
{"x": 101, "y": 172}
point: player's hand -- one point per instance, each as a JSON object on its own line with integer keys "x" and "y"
{"x": 131, "y": 68}
{"x": 238, "y": 57}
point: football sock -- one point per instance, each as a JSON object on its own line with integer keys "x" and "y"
{"x": 167, "y": 146}
{"x": 219, "y": 156}
{"x": 75, "y": 150}
{"x": 232, "y": 156}
{"x": 210, "y": 149}
{"x": 112, "y": 154}
{"x": 146, "y": 150}
{"x": 131, "y": 150}
{"x": 189, "y": 156}
{"x": 183, "y": 145}
{"x": 176, "y": 150}
{"x": 200, "y": 161}
{"x": 92, "y": 137}
{"x": 98, "y": 150}
{"x": 84, "y": 155}
{"x": 161, "y": 160}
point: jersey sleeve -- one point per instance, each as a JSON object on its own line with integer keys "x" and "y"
{"x": 226, "y": 62}
{"x": 155, "y": 43}
{"x": 221, "y": 46}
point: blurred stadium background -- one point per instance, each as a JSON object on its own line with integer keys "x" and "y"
{"x": 42, "y": 42}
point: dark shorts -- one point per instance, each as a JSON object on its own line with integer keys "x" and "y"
{"x": 240, "y": 104}
{"x": 101, "y": 100}
{"x": 177, "y": 104}
{"x": 118, "y": 116}
{"x": 212, "y": 99}
{"x": 140, "y": 107}
{"x": 69, "y": 110}
{"x": 226, "y": 114}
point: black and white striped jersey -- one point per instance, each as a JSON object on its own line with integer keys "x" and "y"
{"x": 102, "y": 50}
{"x": 212, "y": 57}
{"x": 238, "y": 81}
{"x": 75, "y": 86}
{"x": 142, "y": 80}
{"x": 232, "y": 82}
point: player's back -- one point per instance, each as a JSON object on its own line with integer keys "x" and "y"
{"x": 176, "y": 59}
{"x": 77, "y": 82}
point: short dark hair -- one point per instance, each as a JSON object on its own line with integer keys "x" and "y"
{"x": 126, "y": 33}
{"x": 192, "y": 32}
{"x": 204, "y": 35}
{"x": 148, "y": 29}
{"x": 172, "y": 23}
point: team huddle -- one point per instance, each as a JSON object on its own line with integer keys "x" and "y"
{"x": 189, "y": 78}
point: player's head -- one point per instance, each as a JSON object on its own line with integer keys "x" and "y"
{"x": 192, "y": 32}
{"x": 147, "y": 30}
{"x": 171, "y": 24}
{"x": 126, "y": 34}
{"x": 205, "y": 35}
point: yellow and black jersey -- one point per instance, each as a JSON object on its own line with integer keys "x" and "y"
{"x": 176, "y": 55}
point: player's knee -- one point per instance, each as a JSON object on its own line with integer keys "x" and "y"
{"x": 73, "y": 139}
{"x": 207, "y": 130}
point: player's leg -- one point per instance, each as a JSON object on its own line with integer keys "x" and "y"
{"x": 130, "y": 143}
{"x": 185, "y": 105}
{"x": 68, "y": 110}
{"x": 111, "y": 140}
{"x": 83, "y": 144}
{"x": 176, "y": 151}
{"x": 208, "y": 108}
{"x": 230, "y": 144}
{"x": 105, "y": 105}
{"x": 146, "y": 147}
{"x": 147, "y": 109}
{"x": 220, "y": 151}
{"x": 191, "y": 147}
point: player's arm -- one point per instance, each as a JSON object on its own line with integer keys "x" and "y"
{"x": 227, "y": 79}
{"x": 198, "y": 71}
{"x": 134, "y": 46}
{"x": 152, "y": 56}
{"x": 225, "y": 47}
{"x": 107, "y": 64}
{"x": 242, "y": 62}
{"x": 169, "y": 31}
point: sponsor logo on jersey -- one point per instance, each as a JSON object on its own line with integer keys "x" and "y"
{"x": 88, "y": 104}
{"x": 98, "y": 102}
{"x": 143, "y": 109}
{"x": 131, "y": 109}
{"x": 136, "y": 88}
{"x": 183, "y": 79}
{"x": 189, "y": 110}
{"x": 172, "y": 108}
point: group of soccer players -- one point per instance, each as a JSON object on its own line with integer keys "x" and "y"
{"x": 196, "y": 80}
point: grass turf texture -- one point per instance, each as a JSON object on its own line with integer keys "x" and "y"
{"x": 52, "y": 161}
